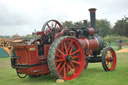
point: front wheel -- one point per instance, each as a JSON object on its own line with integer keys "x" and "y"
{"x": 108, "y": 59}
{"x": 66, "y": 58}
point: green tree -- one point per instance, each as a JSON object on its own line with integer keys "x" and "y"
{"x": 103, "y": 26}
{"x": 121, "y": 27}
{"x": 67, "y": 24}
{"x": 75, "y": 24}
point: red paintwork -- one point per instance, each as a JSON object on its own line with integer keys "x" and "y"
{"x": 39, "y": 33}
{"x": 91, "y": 31}
{"x": 46, "y": 48}
{"x": 29, "y": 56}
{"x": 90, "y": 46}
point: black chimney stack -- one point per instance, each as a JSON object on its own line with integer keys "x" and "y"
{"x": 92, "y": 17}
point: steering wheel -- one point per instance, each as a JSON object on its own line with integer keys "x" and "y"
{"x": 51, "y": 26}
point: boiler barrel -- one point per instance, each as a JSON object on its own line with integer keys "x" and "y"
{"x": 96, "y": 44}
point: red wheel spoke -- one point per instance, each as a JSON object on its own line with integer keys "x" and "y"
{"x": 65, "y": 48}
{"x": 52, "y": 24}
{"x": 49, "y": 26}
{"x": 71, "y": 69}
{"x": 74, "y": 57}
{"x": 107, "y": 59}
{"x": 58, "y": 66}
{"x": 110, "y": 55}
{"x": 55, "y": 25}
{"x": 107, "y": 56}
{"x": 48, "y": 31}
{"x": 111, "y": 63}
{"x": 71, "y": 50}
{"x": 69, "y": 45}
{"x": 67, "y": 71}
{"x": 61, "y": 68}
{"x": 76, "y": 62}
{"x": 72, "y": 65}
{"x": 58, "y": 55}
{"x": 107, "y": 64}
{"x": 60, "y": 27}
{"x": 64, "y": 72}
{"x": 60, "y": 51}
{"x": 62, "y": 47}
{"x": 75, "y": 52}
{"x": 59, "y": 60}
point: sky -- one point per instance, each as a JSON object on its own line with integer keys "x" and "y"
{"x": 24, "y": 16}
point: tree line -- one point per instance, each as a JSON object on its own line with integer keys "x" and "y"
{"x": 104, "y": 27}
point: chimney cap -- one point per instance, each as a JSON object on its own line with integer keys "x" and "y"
{"x": 92, "y": 9}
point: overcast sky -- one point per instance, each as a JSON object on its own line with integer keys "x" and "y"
{"x": 23, "y": 16}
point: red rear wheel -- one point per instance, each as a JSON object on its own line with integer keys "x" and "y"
{"x": 66, "y": 58}
{"x": 109, "y": 59}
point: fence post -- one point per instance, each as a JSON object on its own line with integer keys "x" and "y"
{"x": 119, "y": 43}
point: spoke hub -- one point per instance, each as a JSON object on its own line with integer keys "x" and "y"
{"x": 68, "y": 58}
{"x": 111, "y": 59}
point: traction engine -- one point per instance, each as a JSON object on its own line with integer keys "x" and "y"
{"x": 62, "y": 52}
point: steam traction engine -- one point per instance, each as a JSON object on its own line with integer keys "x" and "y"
{"x": 62, "y": 52}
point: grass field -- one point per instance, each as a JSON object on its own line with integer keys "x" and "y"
{"x": 93, "y": 75}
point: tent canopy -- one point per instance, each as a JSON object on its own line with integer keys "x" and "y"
{"x": 4, "y": 52}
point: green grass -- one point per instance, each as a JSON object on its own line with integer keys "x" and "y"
{"x": 93, "y": 75}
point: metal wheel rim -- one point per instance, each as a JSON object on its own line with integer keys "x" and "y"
{"x": 69, "y": 70}
{"x": 110, "y": 59}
